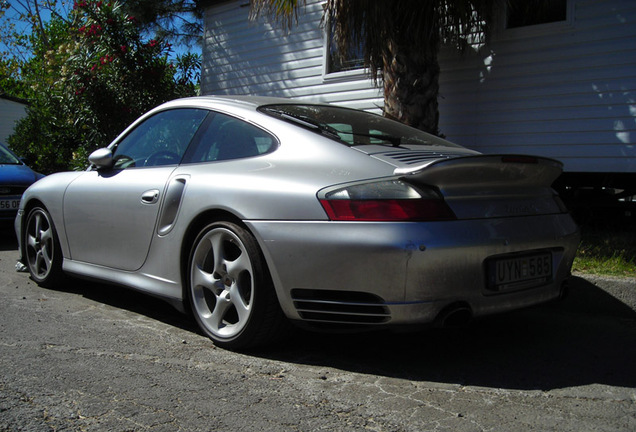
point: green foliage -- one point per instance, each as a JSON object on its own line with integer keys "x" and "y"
{"x": 90, "y": 76}
{"x": 10, "y": 84}
{"x": 173, "y": 20}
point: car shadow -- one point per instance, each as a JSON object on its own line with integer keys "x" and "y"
{"x": 588, "y": 338}
{"x": 125, "y": 298}
{"x": 8, "y": 240}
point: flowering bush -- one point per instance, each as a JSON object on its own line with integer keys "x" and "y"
{"x": 96, "y": 75}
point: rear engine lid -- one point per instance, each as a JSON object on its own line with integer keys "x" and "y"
{"x": 409, "y": 158}
{"x": 487, "y": 186}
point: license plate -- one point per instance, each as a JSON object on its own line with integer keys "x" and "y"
{"x": 9, "y": 204}
{"x": 524, "y": 271}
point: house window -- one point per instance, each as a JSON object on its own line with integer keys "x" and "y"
{"x": 353, "y": 59}
{"x": 523, "y": 13}
{"x": 337, "y": 64}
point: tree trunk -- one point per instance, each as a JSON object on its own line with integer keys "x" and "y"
{"x": 411, "y": 84}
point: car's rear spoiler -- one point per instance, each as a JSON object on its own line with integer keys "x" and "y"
{"x": 498, "y": 171}
{"x": 492, "y": 185}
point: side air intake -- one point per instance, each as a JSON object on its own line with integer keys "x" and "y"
{"x": 343, "y": 307}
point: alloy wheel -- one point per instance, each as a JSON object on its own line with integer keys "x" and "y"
{"x": 222, "y": 283}
{"x": 40, "y": 244}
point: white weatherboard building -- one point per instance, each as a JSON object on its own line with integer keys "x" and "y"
{"x": 562, "y": 85}
{"x": 11, "y": 110}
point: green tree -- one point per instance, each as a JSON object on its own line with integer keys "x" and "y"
{"x": 401, "y": 40}
{"x": 90, "y": 76}
{"x": 19, "y": 15}
{"x": 177, "y": 21}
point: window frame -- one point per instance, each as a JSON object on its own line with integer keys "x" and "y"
{"x": 344, "y": 75}
{"x": 533, "y": 30}
{"x": 188, "y": 157}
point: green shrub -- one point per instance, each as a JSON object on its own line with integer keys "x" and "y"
{"x": 90, "y": 77}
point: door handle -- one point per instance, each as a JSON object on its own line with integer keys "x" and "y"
{"x": 150, "y": 197}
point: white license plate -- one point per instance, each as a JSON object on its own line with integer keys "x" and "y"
{"x": 9, "y": 204}
{"x": 519, "y": 272}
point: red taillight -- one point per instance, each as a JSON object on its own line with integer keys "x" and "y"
{"x": 387, "y": 210}
{"x": 391, "y": 200}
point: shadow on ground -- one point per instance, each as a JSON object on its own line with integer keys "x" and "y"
{"x": 8, "y": 239}
{"x": 565, "y": 344}
{"x": 589, "y": 338}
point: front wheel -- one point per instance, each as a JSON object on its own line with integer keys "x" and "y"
{"x": 229, "y": 289}
{"x": 42, "y": 248}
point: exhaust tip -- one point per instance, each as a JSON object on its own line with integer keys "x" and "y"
{"x": 565, "y": 290}
{"x": 454, "y": 316}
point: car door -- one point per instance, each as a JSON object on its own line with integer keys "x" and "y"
{"x": 110, "y": 215}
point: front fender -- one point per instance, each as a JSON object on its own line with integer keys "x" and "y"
{"x": 48, "y": 192}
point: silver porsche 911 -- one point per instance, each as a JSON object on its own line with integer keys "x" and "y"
{"x": 254, "y": 212}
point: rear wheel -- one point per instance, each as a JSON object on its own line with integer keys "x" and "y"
{"x": 42, "y": 248}
{"x": 230, "y": 291}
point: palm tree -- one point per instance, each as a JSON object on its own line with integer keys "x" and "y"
{"x": 400, "y": 40}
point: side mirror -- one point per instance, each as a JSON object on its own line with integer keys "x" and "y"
{"x": 102, "y": 158}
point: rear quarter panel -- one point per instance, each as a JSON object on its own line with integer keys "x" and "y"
{"x": 282, "y": 185}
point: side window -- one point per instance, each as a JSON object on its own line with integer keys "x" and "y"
{"x": 229, "y": 138}
{"x": 160, "y": 140}
{"x": 523, "y": 13}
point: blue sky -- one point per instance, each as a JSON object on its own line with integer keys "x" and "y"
{"x": 10, "y": 16}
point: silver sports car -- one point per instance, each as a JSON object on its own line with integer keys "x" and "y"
{"x": 254, "y": 212}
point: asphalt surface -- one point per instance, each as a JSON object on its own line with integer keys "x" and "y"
{"x": 89, "y": 357}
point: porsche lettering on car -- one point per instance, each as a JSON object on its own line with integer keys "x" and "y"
{"x": 256, "y": 212}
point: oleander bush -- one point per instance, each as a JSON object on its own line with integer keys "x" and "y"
{"x": 92, "y": 73}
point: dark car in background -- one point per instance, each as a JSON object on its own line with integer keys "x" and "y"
{"x": 15, "y": 178}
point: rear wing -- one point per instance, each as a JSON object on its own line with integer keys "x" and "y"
{"x": 496, "y": 171}
{"x": 492, "y": 185}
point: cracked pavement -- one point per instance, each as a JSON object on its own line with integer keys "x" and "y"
{"x": 90, "y": 357}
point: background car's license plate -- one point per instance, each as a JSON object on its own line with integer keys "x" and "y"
{"x": 9, "y": 204}
{"x": 520, "y": 272}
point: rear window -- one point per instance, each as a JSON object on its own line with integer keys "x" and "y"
{"x": 352, "y": 127}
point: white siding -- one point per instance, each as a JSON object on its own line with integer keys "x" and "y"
{"x": 10, "y": 113}
{"x": 258, "y": 58}
{"x": 566, "y": 91}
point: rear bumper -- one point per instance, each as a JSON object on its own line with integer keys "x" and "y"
{"x": 406, "y": 273}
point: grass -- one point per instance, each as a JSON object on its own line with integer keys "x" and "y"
{"x": 608, "y": 249}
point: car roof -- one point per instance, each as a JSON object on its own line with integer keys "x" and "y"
{"x": 238, "y": 101}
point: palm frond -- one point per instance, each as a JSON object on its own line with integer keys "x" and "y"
{"x": 284, "y": 12}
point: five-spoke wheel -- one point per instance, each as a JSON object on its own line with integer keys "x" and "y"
{"x": 41, "y": 248}
{"x": 229, "y": 289}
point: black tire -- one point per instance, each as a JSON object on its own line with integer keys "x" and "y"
{"x": 229, "y": 289}
{"x": 42, "y": 252}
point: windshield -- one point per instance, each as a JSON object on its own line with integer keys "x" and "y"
{"x": 8, "y": 158}
{"x": 353, "y": 127}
